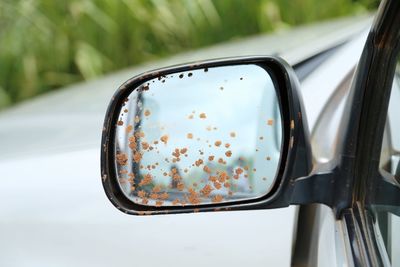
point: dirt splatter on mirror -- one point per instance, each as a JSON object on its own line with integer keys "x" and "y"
{"x": 198, "y": 137}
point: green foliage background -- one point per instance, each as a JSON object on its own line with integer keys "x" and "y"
{"x": 46, "y": 44}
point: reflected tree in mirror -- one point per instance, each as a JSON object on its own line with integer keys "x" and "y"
{"x": 200, "y": 137}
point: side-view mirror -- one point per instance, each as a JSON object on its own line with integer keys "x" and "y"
{"x": 218, "y": 135}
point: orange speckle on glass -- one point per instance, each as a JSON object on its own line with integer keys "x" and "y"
{"x": 154, "y": 196}
{"x": 212, "y": 178}
{"x": 157, "y": 189}
{"x": 142, "y": 193}
{"x": 137, "y": 157}
{"x": 228, "y": 153}
{"x": 159, "y": 203}
{"x": 198, "y": 162}
{"x": 217, "y": 199}
{"x": 145, "y": 145}
{"x": 180, "y": 186}
{"x": 217, "y": 185}
{"x": 122, "y": 158}
{"x": 192, "y": 191}
{"x": 147, "y": 179}
{"x": 207, "y": 169}
{"x": 222, "y": 177}
{"x": 139, "y": 134}
{"x": 211, "y": 158}
{"x": 132, "y": 142}
{"x": 164, "y": 139}
{"x": 239, "y": 171}
{"x": 129, "y": 128}
{"x": 176, "y": 177}
{"x": 176, "y": 153}
{"x": 189, "y": 136}
{"x": 120, "y": 123}
{"x": 217, "y": 143}
{"x": 206, "y": 190}
{"x": 270, "y": 122}
{"x": 202, "y": 115}
{"x": 193, "y": 197}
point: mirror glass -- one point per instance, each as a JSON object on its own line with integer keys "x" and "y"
{"x": 199, "y": 137}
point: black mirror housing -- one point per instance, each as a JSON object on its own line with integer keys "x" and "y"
{"x": 295, "y": 154}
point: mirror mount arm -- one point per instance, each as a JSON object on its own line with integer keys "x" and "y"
{"x": 322, "y": 186}
{"x": 315, "y": 188}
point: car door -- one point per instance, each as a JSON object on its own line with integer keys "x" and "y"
{"x": 371, "y": 226}
{"x": 372, "y": 223}
{"x": 387, "y": 221}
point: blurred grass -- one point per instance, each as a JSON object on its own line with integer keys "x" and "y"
{"x": 47, "y": 44}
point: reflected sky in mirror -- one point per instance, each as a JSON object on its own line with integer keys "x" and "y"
{"x": 199, "y": 137}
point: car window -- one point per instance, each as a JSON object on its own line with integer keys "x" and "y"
{"x": 388, "y": 224}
